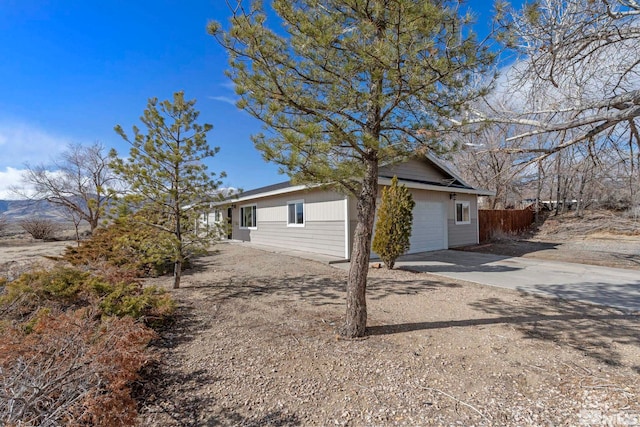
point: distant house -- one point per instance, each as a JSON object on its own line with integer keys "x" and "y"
{"x": 312, "y": 219}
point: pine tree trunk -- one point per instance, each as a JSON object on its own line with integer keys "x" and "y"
{"x": 93, "y": 224}
{"x": 177, "y": 274}
{"x": 356, "y": 319}
{"x": 177, "y": 266}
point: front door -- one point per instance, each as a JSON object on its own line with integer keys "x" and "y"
{"x": 229, "y": 223}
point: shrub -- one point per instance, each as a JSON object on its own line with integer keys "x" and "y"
{"x": 71, "y": 347}
{"x": 60, "y": 288}
{"x": 71, "y": 370}
{"x": 4, "y": 223}
{"x": 135, "y": 249}
{"x": 393, "y": 227}
{"x": 68, "y": 288}
{"x": 39, "y": 228}
{"x": 150, "y": 304}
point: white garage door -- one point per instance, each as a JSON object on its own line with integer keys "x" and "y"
{"x": 429, "y": 227}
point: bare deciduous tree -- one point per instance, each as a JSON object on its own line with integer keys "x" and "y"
{"x": 483, "y": 162}
{"x": 569, "y": 102}
{"x": 577, "y": 71}
{"x": 80, "y": 181}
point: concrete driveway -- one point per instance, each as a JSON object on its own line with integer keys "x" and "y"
{"x": 612, "y": 287}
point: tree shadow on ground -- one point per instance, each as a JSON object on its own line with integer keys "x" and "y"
{"x": 203, "y": 262}
{"x": 318, "y": 291}
{"x": 625, "y": 297}
{"x": 456, "y": 268}
{"x": 160, "y": 388}
{"x": 182, "y": 329}
{"x": 451, "y": 261}
{"x": 630, "y": 258}
{"x": 510, "y": 248}
{"x": 595, "y": 331}
{"x": 166, "y": 392}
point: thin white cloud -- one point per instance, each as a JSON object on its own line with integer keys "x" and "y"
{"x": 226, "y": 99}
{"x": 10, "y": 181}
{"x": 21, "y": 142}
{"x": 228, "y": 85}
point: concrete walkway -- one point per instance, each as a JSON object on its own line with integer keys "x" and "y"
{"x": 613, "y": 287}
{"x": 326, "y": 259}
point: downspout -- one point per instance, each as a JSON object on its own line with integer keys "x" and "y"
{"x": 477, "y": 221}
{"x": 347, "y": 232}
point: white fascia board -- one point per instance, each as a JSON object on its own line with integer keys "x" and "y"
{"x": 421, "y": 186}
{"x": 287, "y": 190}
{"x": 446, "y": 169}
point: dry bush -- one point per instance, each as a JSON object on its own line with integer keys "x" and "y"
{"x": 40, "y": 228}
{"x": 4, "y": 223}
{"x": 72, "y": 345}
{"x": 135, "y": 249}
{"x": 72, "y": 369}
{"x": 67, "y": 289}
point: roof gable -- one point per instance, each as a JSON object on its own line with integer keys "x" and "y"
{"x": 425, "y": 169}
{"x": 422, "y": 170}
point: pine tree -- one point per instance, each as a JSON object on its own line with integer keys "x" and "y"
{"x": 393, "y": 227}
{"x": 351, "y": 85}
{"x": 167, "y": 177}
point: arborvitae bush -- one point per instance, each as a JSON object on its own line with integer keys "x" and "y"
{"x": 393, "y": 227}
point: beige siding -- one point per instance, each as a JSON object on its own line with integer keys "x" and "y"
{"x": 324, "y": 229}
{"x": 463, "y": 234}
{"x": 324, "y": 237}
{"x": 430, "y": 196}
{"x": 414, "y": 169}
{"x": 324, "y": 223}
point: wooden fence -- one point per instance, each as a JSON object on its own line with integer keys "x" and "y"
{"x": 491, "y": 222}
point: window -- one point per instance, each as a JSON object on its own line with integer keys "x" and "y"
{"x": 217, "y": 215}
{"x": 295, "y": 213}
{"x": 462, "y": 213}
{"x": 248, "y": 216}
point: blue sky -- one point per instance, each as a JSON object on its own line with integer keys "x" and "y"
{"x": 71, "y": 70}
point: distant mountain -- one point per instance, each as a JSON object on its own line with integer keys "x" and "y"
{"x": 15, "y": 210}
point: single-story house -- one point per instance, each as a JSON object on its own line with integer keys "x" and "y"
{"x": 313, "y": 219}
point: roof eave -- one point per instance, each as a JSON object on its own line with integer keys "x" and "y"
{"x": 440, "y": 188}
{"x": 278, "y": 192}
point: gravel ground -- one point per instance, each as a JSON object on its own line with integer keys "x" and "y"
{"x": 601, "y": 238}
{"x": 20, "y": 255}
{"x": 255, "y": 343}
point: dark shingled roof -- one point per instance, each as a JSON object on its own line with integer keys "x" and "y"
{"x": 455, "y": 184}
{"x": 266, "y": 189}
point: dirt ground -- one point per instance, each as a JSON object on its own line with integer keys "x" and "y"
{"x": 18, "y": 255}
{"x": 599, "y": 239}
{"x": 255, "y": 343}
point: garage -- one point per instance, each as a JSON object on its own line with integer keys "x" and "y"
{"x": 429, "y": 227}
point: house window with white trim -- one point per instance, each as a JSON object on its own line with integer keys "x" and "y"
{"x": 248, "y": 216}
{"x": 463, "y": 213}
{"x": 295, "y": 213}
